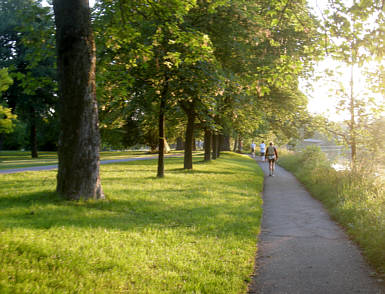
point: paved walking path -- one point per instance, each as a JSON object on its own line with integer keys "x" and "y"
{"x": 301, "y": 250}
{"x": 54, "y": 166}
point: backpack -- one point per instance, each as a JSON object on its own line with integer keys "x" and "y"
{"x": 271, "y": 152}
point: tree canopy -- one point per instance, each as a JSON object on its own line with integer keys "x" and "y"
{"x": 167, "y": 70}
{"x": 224, "y": 65}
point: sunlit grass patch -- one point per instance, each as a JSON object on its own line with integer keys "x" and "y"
{"x": 190, "y": 232}
{"x": 20, "y": 159}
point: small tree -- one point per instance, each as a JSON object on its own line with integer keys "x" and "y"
{"x": 353, "y": 38}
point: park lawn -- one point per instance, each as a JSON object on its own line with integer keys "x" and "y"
{"x": 20, "y": 159}
{"x": 190, "y": 232}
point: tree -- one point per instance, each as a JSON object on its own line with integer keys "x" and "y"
{"x": 216, "y": 60}
{"x": 27, "y": 49}
{"x": 6, "y": 120}
{"x": 78, "y": 174}
{"x": 262, "y": 46}
{"x": 354, "y": 39}
{"x": 199, "y": 83}
{"x": 5, "y": 80}
{"x": 155, "y": 48}
{"x": 6, "y": 116}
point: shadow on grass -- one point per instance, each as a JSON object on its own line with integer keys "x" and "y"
{"x": 41, "y": 198}
{"x": 203, "y": 216}
{"x": 45, "y": 210}
{"x": 192, "y": 171}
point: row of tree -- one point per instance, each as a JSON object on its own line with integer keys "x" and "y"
{"x": 219, "y": 68}
{"x": 164, "y": 69}
{"x": 237, "y": 38}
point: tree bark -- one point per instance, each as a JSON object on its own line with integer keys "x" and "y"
{"x": 161, "y": 134}
{"x": 189, "y": 140}
{"x": 235, "y": 143}
{"x": 33, "y": 134}
{"x": 194, "y": 144}
{"x": 225, "y": 143}
{"x": 240, "y": 145}
{"x": 219, "y": 142}
{"x": 78, "y": 173}
{"x": 208, "y": 139}
{"x": 214, "y": 145}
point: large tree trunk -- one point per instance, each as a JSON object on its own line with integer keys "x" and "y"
{"x": 33, "y": 134}
{"x": 78, "y": 174}
{"x": 194, "y": 144}
{"x": 225, "y": 143}
{"x": 208, "y": 139}
{"x": 189, "y": 140}
{"x": 235, "y": 143}
{"x": 240, "y": 146}
{"x": 161, "y": 135}
{"x": 214, "y": 145}
{"x": 219, "y": 142}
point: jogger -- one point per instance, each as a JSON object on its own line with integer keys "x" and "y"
{"x": 272, "y": 156}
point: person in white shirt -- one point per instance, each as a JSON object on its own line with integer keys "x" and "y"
{"x": 262, "y": 147}
{"x": 253, "y": 149}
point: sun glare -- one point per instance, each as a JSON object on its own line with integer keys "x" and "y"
{"x": 325, "y": 94}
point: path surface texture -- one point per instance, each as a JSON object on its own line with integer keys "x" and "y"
{"x": 301, "y": 250}
{"x": 54, "y": 166}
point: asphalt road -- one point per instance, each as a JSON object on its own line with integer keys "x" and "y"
{"x": 301, "y": 250}
{"x": 54, "y": 166}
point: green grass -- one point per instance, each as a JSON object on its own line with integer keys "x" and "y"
{"x": 190, "y": 232}
{"x": 19, "y": 159}
{"x": 356, "y": 201}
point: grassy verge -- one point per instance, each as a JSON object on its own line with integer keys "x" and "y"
{"x": 190, "y": 232}
{"x": 356, "y": 201}
{"x": 19, "y": 159}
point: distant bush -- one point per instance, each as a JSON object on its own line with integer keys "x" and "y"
{"x": 16, "y": 140}
{"x": 356, "y": 200}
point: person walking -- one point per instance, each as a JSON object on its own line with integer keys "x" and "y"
{"x": 271, "y": 155}
{"x": 253, "y": 149}
{"x": 262, "y": 148}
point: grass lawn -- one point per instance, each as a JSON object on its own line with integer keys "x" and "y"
{"x": 19, "y": 159}
{"x": 190, "y": 232}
